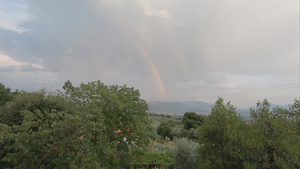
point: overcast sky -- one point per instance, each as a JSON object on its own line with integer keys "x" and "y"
{"x": 171, "y": 50}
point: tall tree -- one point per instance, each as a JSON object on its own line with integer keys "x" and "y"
{"x": 220, "y": 137}
{"x": 278, "y": 133}
{"x": 122, "y": 110}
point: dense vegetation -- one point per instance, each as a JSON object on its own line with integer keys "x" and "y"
{"x": 83, "y": 127}
{"x": 269, "y": 140}
{"x": 100, "y": 126}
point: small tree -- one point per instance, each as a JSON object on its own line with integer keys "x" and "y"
{"x": 164, "y": 130}
{"x": 186, "y": 154}
{"x": 192, "y": 120}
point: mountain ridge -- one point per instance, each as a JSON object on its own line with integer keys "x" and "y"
{"x": 179, "y": 107}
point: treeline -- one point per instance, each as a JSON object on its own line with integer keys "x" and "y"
{"x": 99, "y": 126}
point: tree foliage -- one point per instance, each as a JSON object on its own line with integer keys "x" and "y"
{"x": 164, "y": 130}
{"x": 121, "y": 109}
{"x": 74, "y": 129}
{"x": 278, "y": 135}
{"x": 186, "y": 154}
{"x": 192, "y": 120}
{"x": 42, "y": 131}
{"x": 30, "y": 101}
{"x": 157, "y": 158}
{"x": 269, "y": 140}
{"x": 4, "y": 94}
{"x": 220, "y": 137}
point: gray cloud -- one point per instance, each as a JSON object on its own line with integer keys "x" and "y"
{"x": 199, "y": 48}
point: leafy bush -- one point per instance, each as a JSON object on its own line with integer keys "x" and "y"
{"x": 192, "y": 120}
{"x": 164, "y": 130}
{"x": 186, "y": 154}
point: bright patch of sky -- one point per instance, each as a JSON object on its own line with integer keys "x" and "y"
{"x": 13, "y": 14}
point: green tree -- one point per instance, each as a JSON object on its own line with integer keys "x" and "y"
{"x": 90, "y": 126}
{"x": 10, "y": 114}
{"x": 186, "y": 154}
{"x": 294, "y": 113}
{"x": 269, "y": 140}
{"x": 121, "y": 110}
{"x": 41, "y": 131}
{"x": 192, "y": 120}
{"x": 220, "y": 138}
{"x": 4, "y": 94}
{"x": 278, "y": 133}
{"x": 164, "y": 130}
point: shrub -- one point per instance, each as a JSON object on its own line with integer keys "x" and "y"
{"x": 186, "y": 154}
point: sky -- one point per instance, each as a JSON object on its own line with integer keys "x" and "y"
{"x": 171, "y": 50}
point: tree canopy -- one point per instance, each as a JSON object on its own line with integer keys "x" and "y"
{"x": 269, "y": 140}
{"x": 73, "y": 129}
{"x": 192, "y": 120}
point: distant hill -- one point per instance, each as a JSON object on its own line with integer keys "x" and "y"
{"x": 179, "y": 107}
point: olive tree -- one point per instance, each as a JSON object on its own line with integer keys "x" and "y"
{"x": 186, "y": 153}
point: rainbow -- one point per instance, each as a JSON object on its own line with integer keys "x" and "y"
{"x": 146, "y": 53}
